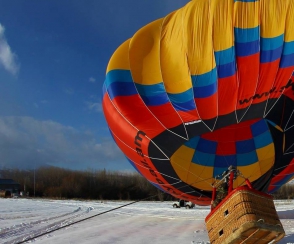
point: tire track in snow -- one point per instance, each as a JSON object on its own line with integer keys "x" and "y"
{"x": 39, "y": 227}
{"x": 190, "y": 214}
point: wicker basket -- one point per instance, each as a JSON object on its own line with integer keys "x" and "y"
{"x": 244, "y": 216}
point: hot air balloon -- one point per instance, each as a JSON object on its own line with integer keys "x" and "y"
{"x": 207, "y": 87}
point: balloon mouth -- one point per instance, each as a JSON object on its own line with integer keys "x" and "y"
{"x": 248, "y": 146}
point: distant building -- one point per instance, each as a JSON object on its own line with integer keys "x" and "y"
{"x": 9, "y": 185}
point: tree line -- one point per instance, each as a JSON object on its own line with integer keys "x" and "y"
{"x": 54, "y": 182}
{"x": 285, "y": 192}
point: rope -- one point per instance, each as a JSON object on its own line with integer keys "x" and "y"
{"x": 78, "y": 221}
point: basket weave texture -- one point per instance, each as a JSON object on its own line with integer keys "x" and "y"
{"x": 244, "y": 216}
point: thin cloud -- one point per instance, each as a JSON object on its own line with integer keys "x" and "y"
{"x": 96, "y": 107}
{"x": 26, "y": 143}
{"x": 92, "y": 80}
{"x": 7, "y": 58}
{"x": 69, "y": 91}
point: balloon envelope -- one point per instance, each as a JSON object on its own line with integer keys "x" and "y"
{"x": 207, "y": 87}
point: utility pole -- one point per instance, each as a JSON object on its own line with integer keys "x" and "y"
{"x": 35, "y": 181}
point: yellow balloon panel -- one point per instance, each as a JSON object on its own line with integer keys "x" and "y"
{"x": 144, "y": 53}
{"x": 120, "y": 58}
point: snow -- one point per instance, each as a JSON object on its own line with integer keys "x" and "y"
{"x": 142, "y": 222}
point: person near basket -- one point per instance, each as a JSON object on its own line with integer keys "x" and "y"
{"x": 221, "y": 193}
{"x": 222, "y": 189}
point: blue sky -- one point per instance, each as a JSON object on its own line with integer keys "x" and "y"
{"x": 53, "y": 57}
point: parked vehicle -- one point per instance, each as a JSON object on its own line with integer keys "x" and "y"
{"x": 183, "y": 203}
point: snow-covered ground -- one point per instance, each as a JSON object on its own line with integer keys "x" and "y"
{"x": 143, "y": 222}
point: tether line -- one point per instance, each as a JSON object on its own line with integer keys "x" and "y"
{"x": 78, "y": 221}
